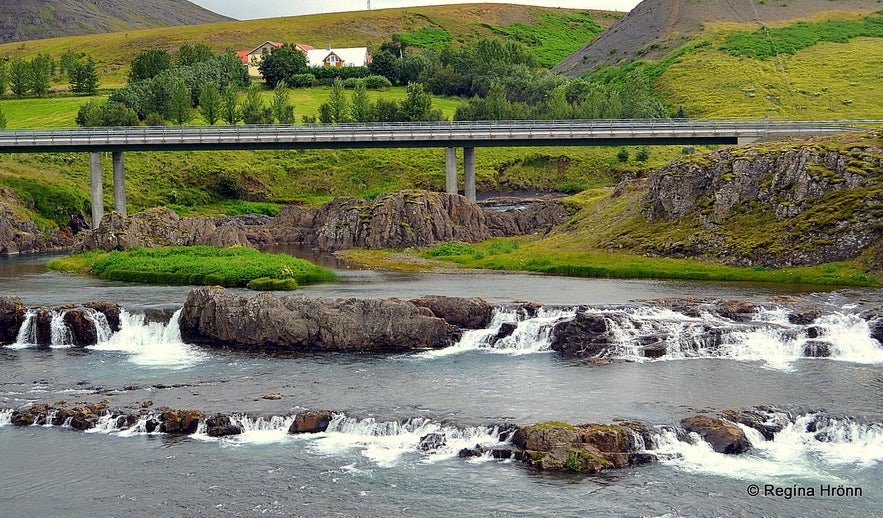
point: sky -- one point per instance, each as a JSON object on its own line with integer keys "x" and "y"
{"x": 250, "y": 9}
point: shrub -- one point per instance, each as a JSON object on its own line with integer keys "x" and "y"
{"x": 448, "y": 249}
{"x": 268, "y": 284}
{"x": 300, "y": 80}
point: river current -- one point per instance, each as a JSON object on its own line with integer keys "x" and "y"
{"x": 369, "y": 462}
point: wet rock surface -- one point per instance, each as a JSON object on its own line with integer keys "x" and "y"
{"x": 722, "y": 435}
{"x": 215, "y": 316}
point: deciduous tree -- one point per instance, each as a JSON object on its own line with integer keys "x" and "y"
{"x": 210, "y": 102}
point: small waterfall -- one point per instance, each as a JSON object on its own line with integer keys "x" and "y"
{"x": 60, "y": 333}
{"x": 385, "y": 443}
{"x": 5, "y": 417}
{"x": 811, "y": 448}
{"x": 152, "y": 344}
{"x": 511, "y": 331}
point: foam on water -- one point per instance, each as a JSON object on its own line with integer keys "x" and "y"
{"x": 531, "y": 334}
{"x": 826, "y": 454}
{"x": 5, "y": 417}
{"x": 152, "y": 344}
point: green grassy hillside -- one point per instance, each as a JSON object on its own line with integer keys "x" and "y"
{"x": 827, "y": 69}
{"x": 553, "y": 33}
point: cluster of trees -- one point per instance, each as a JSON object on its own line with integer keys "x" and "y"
{"x": 32, "y": 76}
{"x": 340, "y": 108}
{"x": 35, "y": 76}
{"x": 161, "y": 89}
{"x": 502, "y": 82}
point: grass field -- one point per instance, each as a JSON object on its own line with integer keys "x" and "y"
{"x": 60, "y": 110}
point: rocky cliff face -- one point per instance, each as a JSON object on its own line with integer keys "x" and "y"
{"x": 157, "y": 227}
{"x": 819, "y": 203}
{"x": 19, "y": 235}
{"x": 400, "y": 219}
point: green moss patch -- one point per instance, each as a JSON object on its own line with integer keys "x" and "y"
{"x": 198, "y": 265}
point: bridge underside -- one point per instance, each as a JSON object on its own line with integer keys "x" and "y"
{"x": 331, "y": 144}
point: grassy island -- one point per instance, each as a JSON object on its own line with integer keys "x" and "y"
{"x": 198, "y": 265}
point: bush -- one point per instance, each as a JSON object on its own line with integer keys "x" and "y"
{"x": 623, "y": 155}
{"x": 377, "y": 82}
{"x": 448, "y": 249}
{"x": 268, "y": 284}
{"x": 300, "y": 80}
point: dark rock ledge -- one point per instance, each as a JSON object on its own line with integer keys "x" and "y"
{"x": 551, "y": 446}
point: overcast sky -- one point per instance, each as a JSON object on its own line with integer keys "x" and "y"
{"x": 248, "y": 9}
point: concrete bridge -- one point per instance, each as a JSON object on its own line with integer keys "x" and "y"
{"x": 448, "y": 135}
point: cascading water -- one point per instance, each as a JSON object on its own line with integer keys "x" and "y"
{"x": 385, "y": 443}
{"x": 525, "y": 334}
{"x": 151, "y": 343}
{"x": 5, "y": 417}
{"x": 809, "y": 450}
{"x": 27, "y": 333}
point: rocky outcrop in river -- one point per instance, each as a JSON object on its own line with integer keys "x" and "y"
{"x": 78, "y": 325}
{"x": 216, "y": 316}
{"x": 818, "y": 202}
{"x": 400, "y": 219}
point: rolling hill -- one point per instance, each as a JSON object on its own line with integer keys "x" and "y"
{"x": 22, "y": 20}
{"x": 655, "y": 27}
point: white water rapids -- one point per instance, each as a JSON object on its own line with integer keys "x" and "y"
{"x": 769, "y": 337}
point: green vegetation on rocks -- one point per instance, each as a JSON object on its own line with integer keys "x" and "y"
{"x": 197, "y": 265}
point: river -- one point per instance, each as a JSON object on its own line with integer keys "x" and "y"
{"x": 369, "y": 462}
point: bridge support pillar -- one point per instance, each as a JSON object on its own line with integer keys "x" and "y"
{"x": 469, "y": 172}
{"x": 96, "y": 188}
{"x": 451, "y": 170}
{"x": 119, "y": 183}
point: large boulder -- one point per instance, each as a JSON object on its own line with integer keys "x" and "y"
{"x": 587, "y": 335}
{"x": 179, "y": 422}
{"x": 311, "y": 422}
{"x": 468, "y": 313}
{"x": 723, "y": 436}
{"x": 155, "y": 228}
{"x": 216, "y": 316}
{"x": 12, "y": 315}
{"x": 587, "y": 448}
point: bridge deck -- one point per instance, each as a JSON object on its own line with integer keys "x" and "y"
{"x": 396, "y": 135}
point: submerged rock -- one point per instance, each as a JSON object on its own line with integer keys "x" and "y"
{"x": 216, "y": 316}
